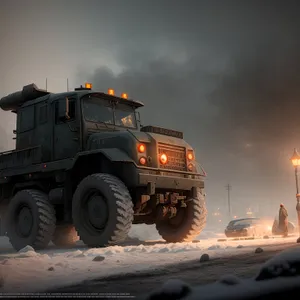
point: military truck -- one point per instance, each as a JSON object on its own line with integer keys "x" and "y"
{"x": 84, "y": 167}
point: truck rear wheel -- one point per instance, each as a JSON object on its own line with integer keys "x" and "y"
{"x": 102, "y": 210}
{"x": 65, "y": 236}
{"x": 30, "y": 220}
{"x": 187, "y": 224}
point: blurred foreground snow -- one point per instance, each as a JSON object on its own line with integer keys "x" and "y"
{"x": 31, "y": 271}
{"x": 278, "y": 277}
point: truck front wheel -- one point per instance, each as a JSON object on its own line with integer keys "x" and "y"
{"x": 102, "y": 210}
{"x": 187, "y": 224}
{"x": 30, "y": 220}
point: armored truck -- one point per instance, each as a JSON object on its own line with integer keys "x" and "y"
{"x": 85, "y": 168}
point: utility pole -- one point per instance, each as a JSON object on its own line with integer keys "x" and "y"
{"x": 228, "y": 188}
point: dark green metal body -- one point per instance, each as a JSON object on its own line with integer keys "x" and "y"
{"x": 55, "y": 155}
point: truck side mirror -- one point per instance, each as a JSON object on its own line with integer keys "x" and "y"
{"x": 138, "y": 118}
{"x": 63, "y": 110}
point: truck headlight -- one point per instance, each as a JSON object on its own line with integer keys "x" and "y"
{"x": 141, "y": 148}
{"x": 143, "y": 160}
{"x": 190, "y": 155}
{"x": 163, "y": 158}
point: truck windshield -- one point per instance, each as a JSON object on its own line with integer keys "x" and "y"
{"x": 99, "y": 110}
{"x": 124, "y": 116}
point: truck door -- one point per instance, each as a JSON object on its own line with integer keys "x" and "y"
{"x": 66, "y": 142}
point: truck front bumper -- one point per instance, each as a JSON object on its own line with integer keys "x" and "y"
{"x": 153, "y": 181}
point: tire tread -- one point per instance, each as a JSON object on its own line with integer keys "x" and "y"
{"x": 46, "y": 220}
{"x": 124, "y": 217}
{"x": 195, "y": 227}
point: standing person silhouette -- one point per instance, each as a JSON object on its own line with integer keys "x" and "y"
{"x": 283, "y": 220}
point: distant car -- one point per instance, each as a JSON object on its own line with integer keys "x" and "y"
{"x": 247, "y": 227}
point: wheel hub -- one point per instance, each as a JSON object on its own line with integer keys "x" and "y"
{"x": 178, "y": 219}
{"x": 25, "y": 221}
{"x": 97, "y": 211}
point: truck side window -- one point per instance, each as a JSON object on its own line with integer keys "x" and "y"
{"x": 27, "y": 119}
{"x": 43, "y": 114}
{"x": 72, "y": 111}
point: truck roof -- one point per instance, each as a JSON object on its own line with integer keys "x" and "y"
{"x": 31, "y": 94}
{"x": 54, "y": 96}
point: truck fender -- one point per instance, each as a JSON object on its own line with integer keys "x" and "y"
{"x": 27, "y": 185}
{"x": 117, "y": 155}
{"x": 112, "y": 154}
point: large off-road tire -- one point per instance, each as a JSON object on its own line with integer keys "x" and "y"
{"x": 65, "y": 236}
{"x": 187, "y": 224}
{"x": 102, "y": 210}
{"x": 30, "y": 220}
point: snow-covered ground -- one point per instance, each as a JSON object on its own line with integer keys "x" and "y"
{"x": 279, "y": 276}
{"x": 31, "y": 271}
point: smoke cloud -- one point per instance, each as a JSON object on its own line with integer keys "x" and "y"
{"x": 239, "y": 108}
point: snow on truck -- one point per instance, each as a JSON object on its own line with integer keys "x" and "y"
{"x": 84, "y": 167}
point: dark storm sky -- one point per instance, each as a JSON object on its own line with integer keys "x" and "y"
{"x": 226, "y": 73}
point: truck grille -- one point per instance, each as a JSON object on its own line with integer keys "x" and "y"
{"x": 176, "y": 157}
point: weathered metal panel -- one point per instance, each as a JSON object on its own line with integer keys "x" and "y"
{"x": 20, "y": 158}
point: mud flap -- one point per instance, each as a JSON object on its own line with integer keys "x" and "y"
{"x": 194, "y": 192}
{"x": 151, "y": 188}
